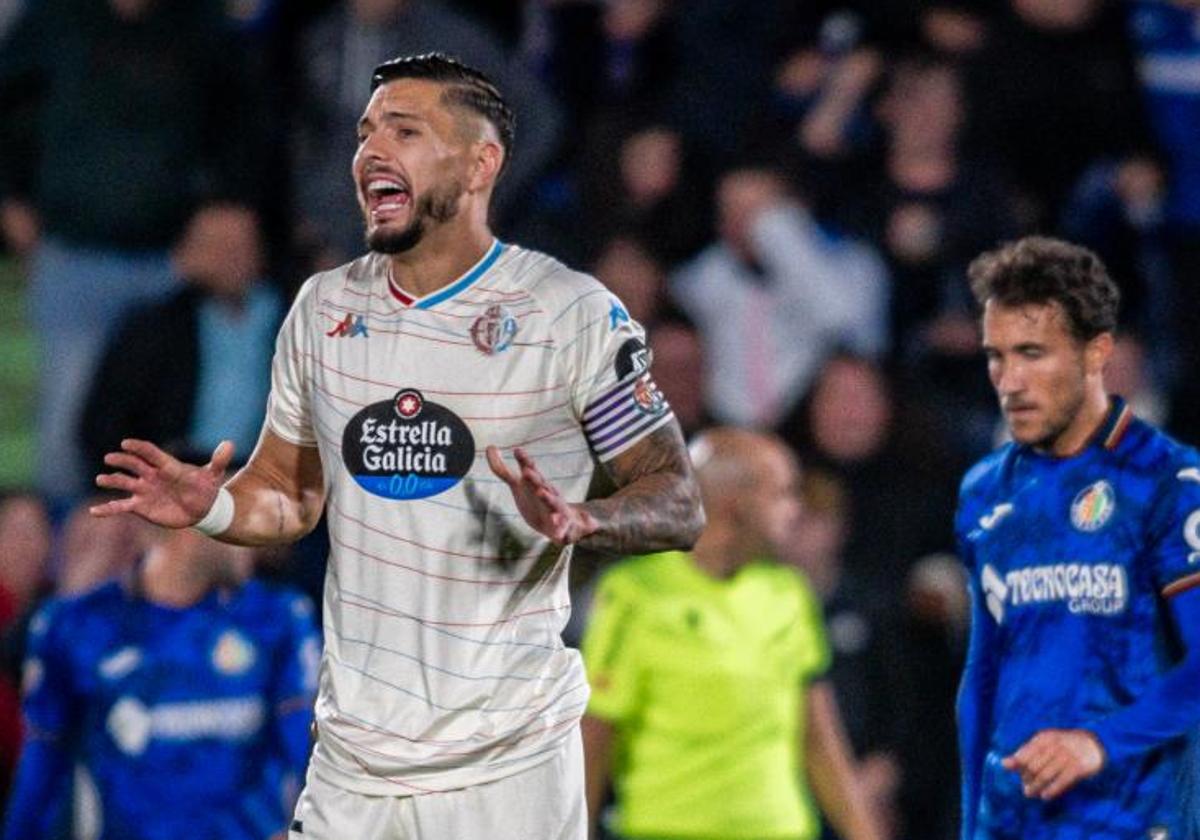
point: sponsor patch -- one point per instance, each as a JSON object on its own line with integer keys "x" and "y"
{"x": 494, "y": 330}
{"x": 633, "y": 358}
{"x": 1191, "y": 534}
{"x": 1093, "y": 507}
{"x": 407, "y": 447}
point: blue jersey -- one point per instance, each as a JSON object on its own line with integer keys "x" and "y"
{"x": 184, "y": 722}
{"x": 1071, "y": 562}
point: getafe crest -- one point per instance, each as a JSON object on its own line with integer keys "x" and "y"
{"x": 1093, "y": 507}
{"x": 234, "y": 654}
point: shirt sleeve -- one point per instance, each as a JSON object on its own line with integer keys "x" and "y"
{"x": 815, "y": 655}
{"x": 609, "y": 652}
{"x": 613, "y": 394}
{"x": 288, "y": 406}
{"x": 1174, "y": 531}
{"x": 40, "y": 793}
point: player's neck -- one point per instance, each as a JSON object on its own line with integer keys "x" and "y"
{"x": 443, "y": 255}
{"x": 1083, "y": 427}
{"x": 720, "y": 551}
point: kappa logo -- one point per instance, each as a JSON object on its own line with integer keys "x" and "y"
{"x": 617, "y": 314}
{"x": 991, "y": 520}
{"x": 349, "y": 327}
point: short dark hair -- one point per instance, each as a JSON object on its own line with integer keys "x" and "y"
{"x": 1041, "y": 270}
{"x": 466, "y": 87}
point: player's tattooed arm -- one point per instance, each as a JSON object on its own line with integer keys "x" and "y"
{"x": 655, "y": 508}
{"x": 657, "y": 503}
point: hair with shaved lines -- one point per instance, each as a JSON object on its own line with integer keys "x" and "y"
{"x": 1039, "y": 270}
{"x": 466, "y": 88}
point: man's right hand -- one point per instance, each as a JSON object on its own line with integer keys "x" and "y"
{"x": 162, "y": 489}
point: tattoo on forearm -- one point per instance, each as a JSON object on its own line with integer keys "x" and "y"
{"x": 657, "y": 506}
{"x": 281, "y": 514}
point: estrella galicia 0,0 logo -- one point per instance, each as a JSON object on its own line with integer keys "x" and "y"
{"x": 407, "y": 447}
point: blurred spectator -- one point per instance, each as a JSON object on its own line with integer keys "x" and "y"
{"x": 900, "y": 482}
{"x": 931, "y": 635}
{"x": 1166, "y": 36}
{"x": 1050, "y": 91}
{"x": 605, "y": 55}
{"x": 679, "y": 368}
{"x": 634, "y": 276}
{"x": 194, "y": 369}
{"x": 97, "y": 551}
{"x": 1117, "y": 210}
{"x": 724, "y": 53}
{"x": 139, "y": 108}
{"x": 24, "y": 554}
{"x": 862, "y": 651}
{"x": 774, "y": 296}
{"x": 931, "y": 209}
{"x": 184, "y": 696}
{"x": 1128, "y": 375}
{"x": 709, "y": 706}
{"x": 340, "y": 51}
{"x": 654, "y": 193}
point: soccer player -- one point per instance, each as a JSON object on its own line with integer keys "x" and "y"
{"x": 1082, "y": 540}
{"x": 403, "y": 385}
{"x": 709, "y": 711}
{"x": 179, "y": 701}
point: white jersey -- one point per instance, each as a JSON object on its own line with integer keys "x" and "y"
{"x": 443, "y": 663}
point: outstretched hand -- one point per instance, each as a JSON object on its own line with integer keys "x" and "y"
{"x": 1055, "y": 760}
{"x": 539, "y": 502}
{"x": 162, "y": 489}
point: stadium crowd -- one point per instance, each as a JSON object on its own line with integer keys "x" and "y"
{"x": 785, "y": 193}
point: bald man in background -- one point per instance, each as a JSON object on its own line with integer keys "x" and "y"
{"x": 709, "y": 711}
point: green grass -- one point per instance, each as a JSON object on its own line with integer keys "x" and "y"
{"x": 17, "y": 379}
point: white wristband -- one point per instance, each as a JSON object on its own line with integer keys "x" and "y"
{"x": 219, "y": 516}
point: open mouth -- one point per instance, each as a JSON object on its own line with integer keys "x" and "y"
{"x": 386, "y": 196}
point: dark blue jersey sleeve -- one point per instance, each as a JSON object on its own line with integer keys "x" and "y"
{"x": 1171, "y": 706}
{"x": 976, "y": 695}
{"x": 266, "y": 804}
{"x": 41, "y": 790}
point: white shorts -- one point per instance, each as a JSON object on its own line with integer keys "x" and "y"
{"x": 545, "y": 802}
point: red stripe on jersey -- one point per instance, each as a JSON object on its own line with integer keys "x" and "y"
{"x": 1182, "y": 585}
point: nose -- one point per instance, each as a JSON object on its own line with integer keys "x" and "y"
{"x": 1008, "y": 377}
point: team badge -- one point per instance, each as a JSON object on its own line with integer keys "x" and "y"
{"x": 407, "y": 447}
{"x": 233, "y": 655}
{"x": 633, "y": 359}
{"x": 494, "y": 330}
{"x": 1093, "y": 507}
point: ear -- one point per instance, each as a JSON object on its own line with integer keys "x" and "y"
{"x": 485, "y": 168}
{"x": 1097, "y": 352}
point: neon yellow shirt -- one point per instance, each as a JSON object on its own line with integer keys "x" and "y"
{"x": 704, "y": 681}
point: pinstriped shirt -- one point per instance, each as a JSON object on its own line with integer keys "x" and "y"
{"x": 443, "y": 663}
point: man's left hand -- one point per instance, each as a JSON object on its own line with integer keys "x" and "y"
{"x": 1054, "y": 760}
{"x": 540, "y": 503}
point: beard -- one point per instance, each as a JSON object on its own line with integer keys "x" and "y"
{"x": 437, "y": 206}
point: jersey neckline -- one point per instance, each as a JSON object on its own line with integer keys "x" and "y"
{"x": 472, "y": 275}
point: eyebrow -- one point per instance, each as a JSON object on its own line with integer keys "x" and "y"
{"x": 391, "y": 117}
